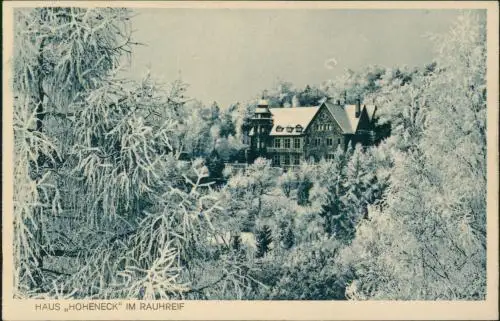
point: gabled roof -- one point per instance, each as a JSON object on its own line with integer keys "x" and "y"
{"x": 340, "y": 115}
{"x": 350, "y": 111}
{"x": 346, "y": 116}
{"x": 285, "y": 117}
{"x": 370, "y": 109}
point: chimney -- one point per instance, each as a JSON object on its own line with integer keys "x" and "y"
{"x": 358, "y": 108}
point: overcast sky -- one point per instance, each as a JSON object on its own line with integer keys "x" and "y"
{"x": 230, "y": 55}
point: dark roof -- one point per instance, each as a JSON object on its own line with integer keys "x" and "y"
{"x": 346, "y": 115}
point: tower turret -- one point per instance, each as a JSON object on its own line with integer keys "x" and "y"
{"x": 261, "y": 123}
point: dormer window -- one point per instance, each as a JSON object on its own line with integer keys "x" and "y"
{"x": 279, "y": 129}
{"x": 289, "y": 129}
{"x": 298, "y": 129}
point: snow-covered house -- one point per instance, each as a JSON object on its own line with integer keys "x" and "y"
{"x": 289, "y": 136}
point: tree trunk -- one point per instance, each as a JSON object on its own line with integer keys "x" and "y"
{"x": 37, "y": 211}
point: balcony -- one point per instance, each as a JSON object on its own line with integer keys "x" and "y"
{"x": 284, "y": 150}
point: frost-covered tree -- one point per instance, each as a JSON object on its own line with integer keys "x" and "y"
{"x": 196, "y": 136}
{"x": 308, "y": 271}
{"x": 251, "y": 193}
{"x": 428, "y": 238}
{"x": 104, "y": 207}
{"x": 310, "y": 96}
{"x": 364, "y": 183}
{"x": 228, "y": 121}
{"x": 327, "y": 192}
{"x": 353, "y": 85}
{"x": 305, "y": 176}
{"x": 60, "y": 55}
{"x": 344, "y": 188}
{"x": 287, "y": 182}
{"x": 288, "y": 238}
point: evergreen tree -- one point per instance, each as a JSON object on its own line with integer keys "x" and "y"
{"x": 236, "y": 243}
{"x": 215, "y": 165}
{"x": 248, "y": 221}
{"x": 263, "y": 239}
{"x": 289, "y": 238}
{"x": 227, "y": 126}
{"x": 356, "y": 196}
{"x": 303, "y": 192}
{"x": 327, "y": 193}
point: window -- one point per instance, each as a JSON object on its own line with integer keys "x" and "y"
{"x": 317, "y": 142}
{"x": 329, "y": 157}
{"x": 276, "y": 160}
{"x": 330, "y": 127}
{"x": 296, "y": 160}
{"x": 296, "y": 143}
{"x": 329, "y": 141}
{"x": 262, "y": 129}
{"x": 279, "y": 128}
{"x": 338, "y": 142}
{"x": 286, "y": 160}
{"x": 289, "y": 129}
{"x": 277, "y": 143}
{"x": 298, "y": 129}
{"x": 287, "y": 143}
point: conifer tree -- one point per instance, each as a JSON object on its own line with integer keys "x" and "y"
{"x": 327, "y": 193}
{"x": 289, "y": 238}
{"x": 356, "y": 196}
{"x": 264, "y": 239}
{"x": 236, "y": 244}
